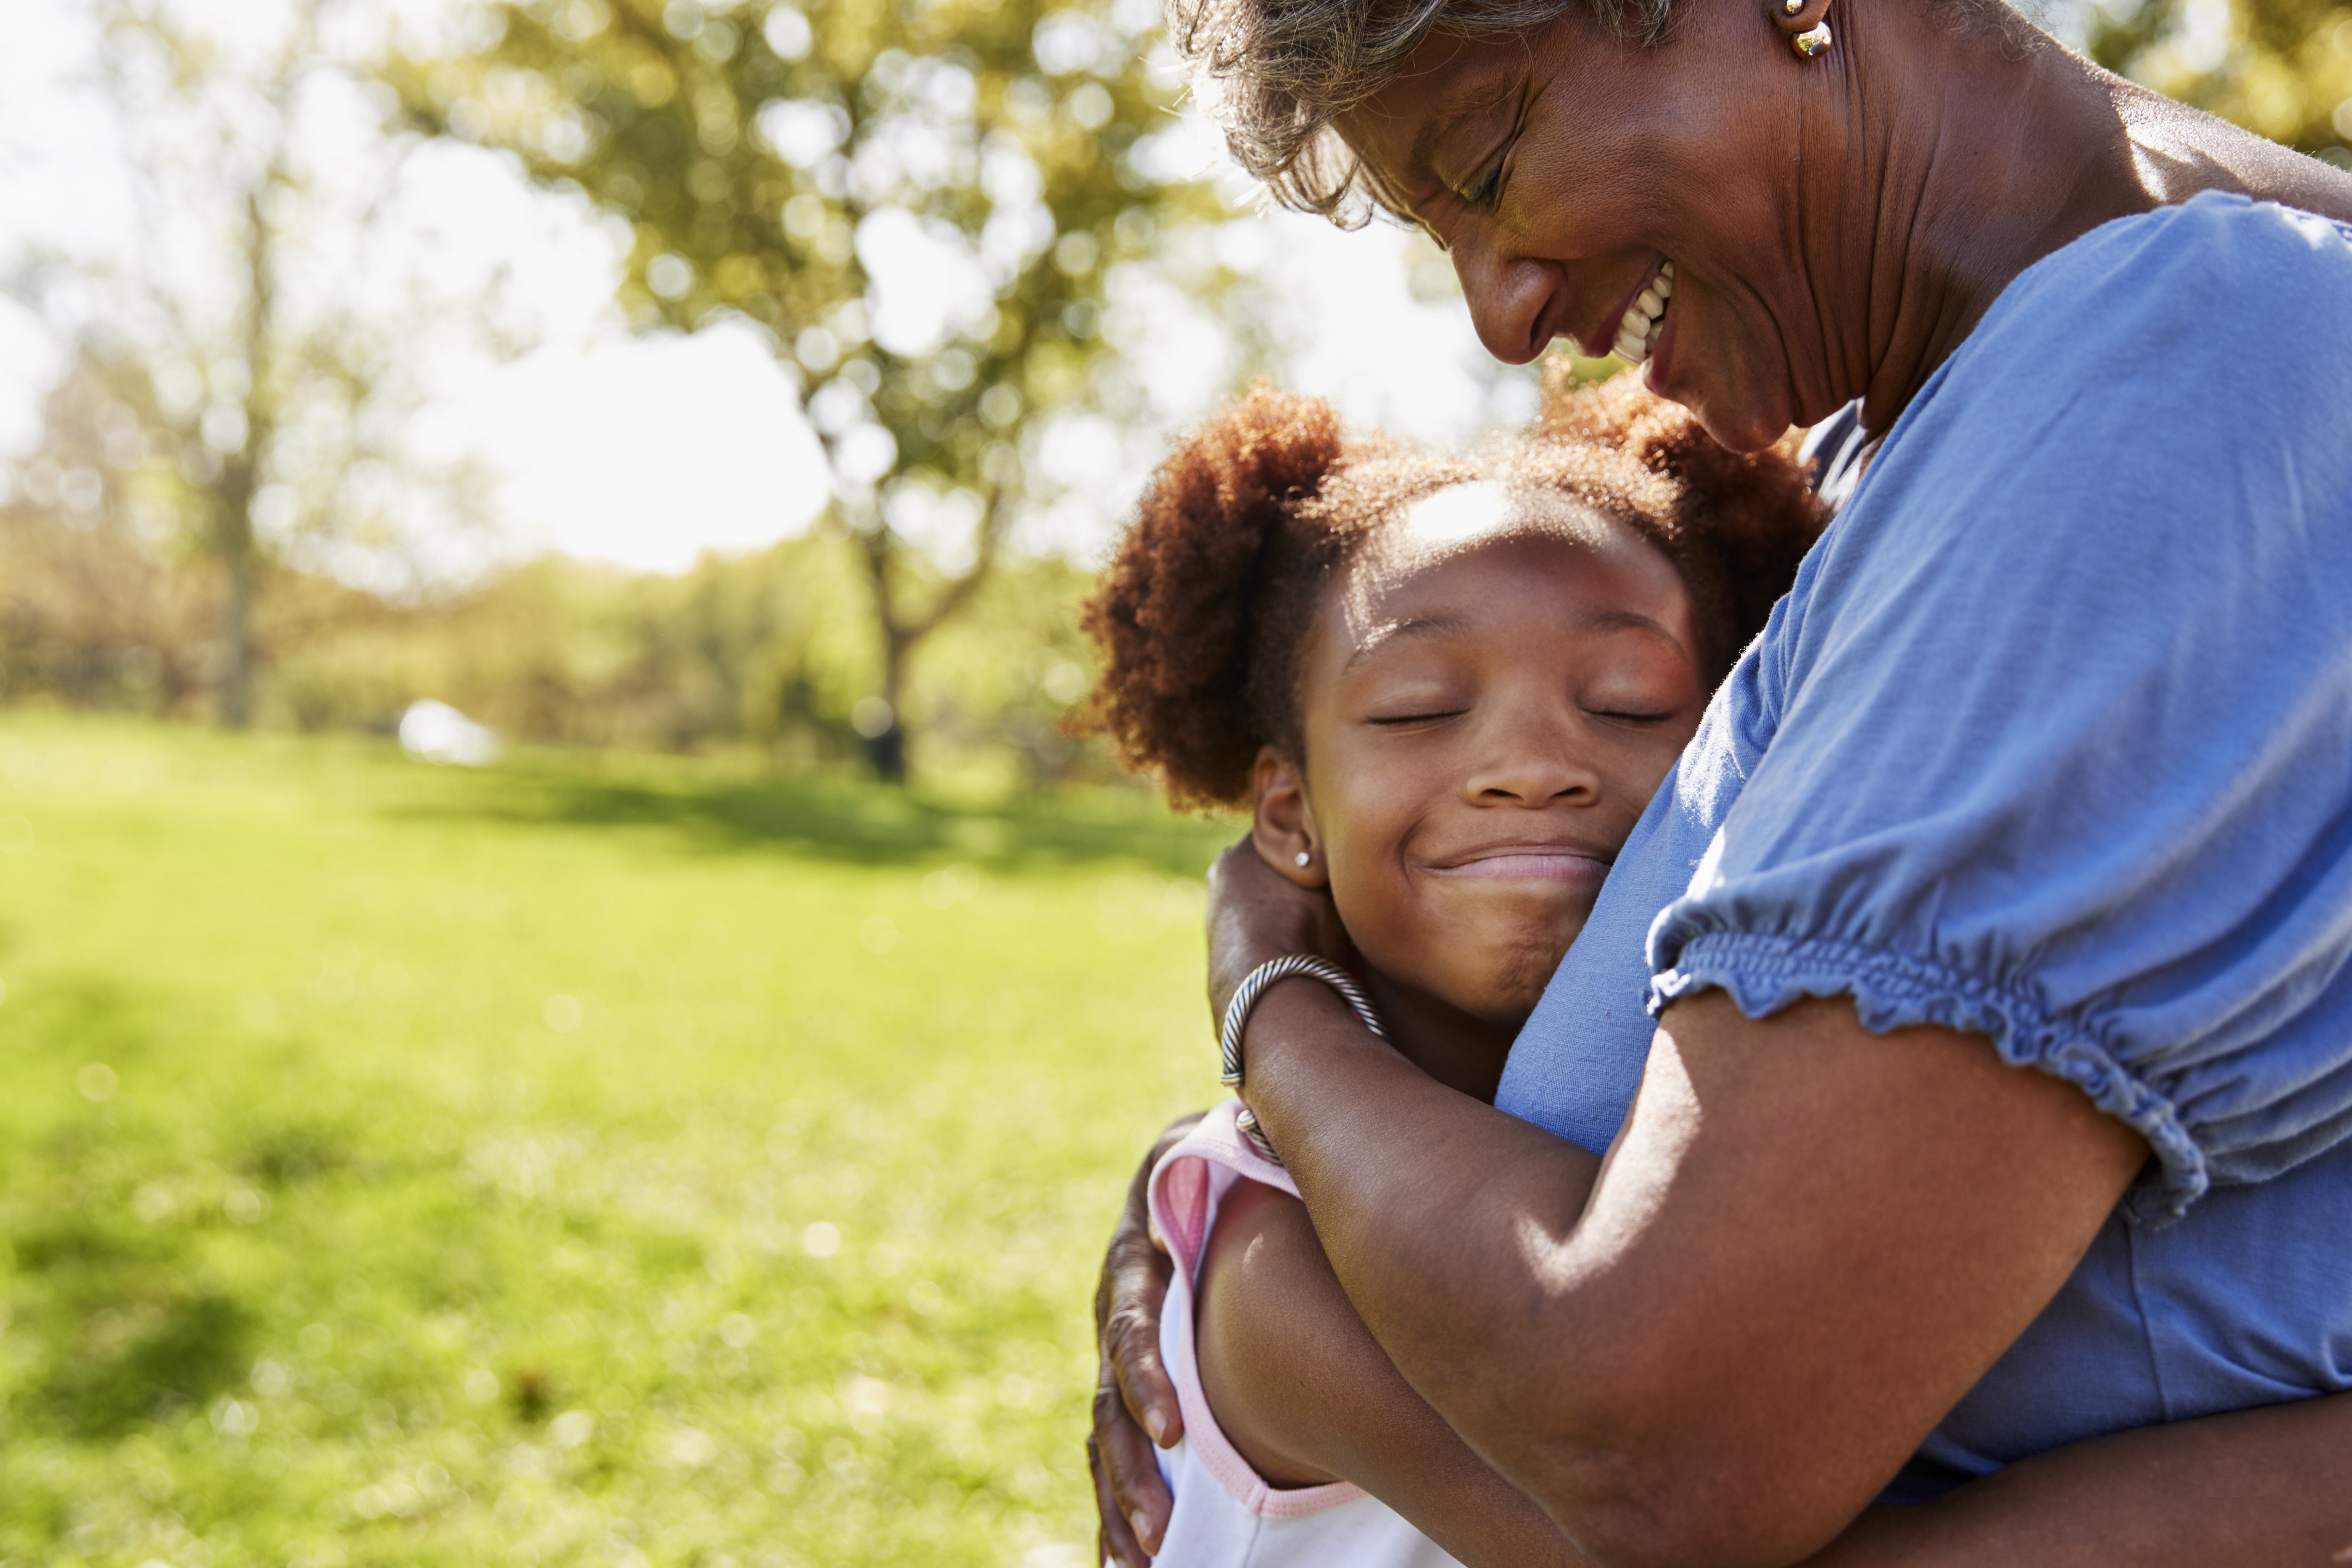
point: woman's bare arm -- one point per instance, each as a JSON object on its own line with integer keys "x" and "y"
{"x": 1306, "y": 1395}
{"x": 1808, "y": 1242}
{"x": 1483, "y": 1175}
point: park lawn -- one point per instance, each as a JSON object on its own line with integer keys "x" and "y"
{"x": 580, "y": 1160}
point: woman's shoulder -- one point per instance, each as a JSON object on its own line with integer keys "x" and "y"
{"x": 2209, "y": 282}
{"x": 2190, "y": 360}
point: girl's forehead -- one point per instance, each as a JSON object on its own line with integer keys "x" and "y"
{"x": 1451, "y": 553}
{"x": 1462, "y": 518}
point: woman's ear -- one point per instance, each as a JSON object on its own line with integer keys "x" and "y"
{"x": 1283, "y": 824}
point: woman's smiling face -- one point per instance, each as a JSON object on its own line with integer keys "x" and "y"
{"x": 1488, "y": 699}
{"x": 1563, "y": 168}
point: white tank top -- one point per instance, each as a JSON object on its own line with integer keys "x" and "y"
{"x": 1227, "y": 1516}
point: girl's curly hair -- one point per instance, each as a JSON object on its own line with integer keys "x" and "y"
{"x": 1202, "y": 613}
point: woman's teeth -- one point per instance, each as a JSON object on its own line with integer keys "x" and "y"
{"x": 1637, "y": 334}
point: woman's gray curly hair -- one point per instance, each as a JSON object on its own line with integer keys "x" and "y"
{"x": 1277, "y": 73}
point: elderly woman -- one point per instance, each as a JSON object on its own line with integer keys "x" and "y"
{"x": 1995, "y": 931}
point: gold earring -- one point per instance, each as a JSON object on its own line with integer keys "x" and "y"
{"x": 1806, "y": 23}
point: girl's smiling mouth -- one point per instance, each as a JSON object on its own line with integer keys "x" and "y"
{"x": 1529, "y": 862}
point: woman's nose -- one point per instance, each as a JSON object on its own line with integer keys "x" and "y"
{"x": 1506, "y": 295}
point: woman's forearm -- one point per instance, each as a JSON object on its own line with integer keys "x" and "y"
{"x": 2253, "y": 1489}
{"x": 1288, "y": 1365}
{"x": 1304, "y": 1394}
{"x": 1808, "y": 1244}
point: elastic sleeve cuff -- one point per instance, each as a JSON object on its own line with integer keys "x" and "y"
{"x": 1763, "y": 974}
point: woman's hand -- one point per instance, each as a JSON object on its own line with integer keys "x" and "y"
{"x": 1135, "y": 1404}
{"x": 1253, "y": 915}
{"x": 1256, "y": 915}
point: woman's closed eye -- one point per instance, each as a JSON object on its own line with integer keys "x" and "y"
{"x": 1488, "y": 189}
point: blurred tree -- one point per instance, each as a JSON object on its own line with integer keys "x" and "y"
{"x": 2281, "y": 68}
{"x": 246, "y": 353}
{"x": 922, "y": 202}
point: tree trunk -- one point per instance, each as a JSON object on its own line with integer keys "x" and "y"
{"x": 241, "y": 477}
{"x": 888, "y": 750}
{"x": 237, "y": 641}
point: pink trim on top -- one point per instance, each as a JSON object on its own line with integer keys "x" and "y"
{"x": 1186, "y": 1187}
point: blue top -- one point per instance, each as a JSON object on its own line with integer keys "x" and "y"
{"x": 2052, "y": 742}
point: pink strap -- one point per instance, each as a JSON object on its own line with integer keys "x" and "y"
{"x": 1186, "y": 1187}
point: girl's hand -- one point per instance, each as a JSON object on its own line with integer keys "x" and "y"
{"x": 1256, "y": 914}
{"x": 1135, "y": 1404}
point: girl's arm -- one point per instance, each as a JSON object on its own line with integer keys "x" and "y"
{"x": 1306, "y": 1394}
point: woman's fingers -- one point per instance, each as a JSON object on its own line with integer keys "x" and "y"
{"x": 1130, "y": 1495}
{"x": 1256, "y": 914}
{"x": 1115, "y": 1542}
{"x": 1134, "y": 1290}
{"x": 1134, "y": 1401}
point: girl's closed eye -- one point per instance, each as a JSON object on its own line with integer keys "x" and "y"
{"x": 1417, "y": 712}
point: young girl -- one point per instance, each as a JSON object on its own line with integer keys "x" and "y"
{"x": 1447, "y": 690}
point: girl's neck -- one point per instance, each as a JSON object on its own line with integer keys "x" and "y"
{"x": 1458, "y": 1049}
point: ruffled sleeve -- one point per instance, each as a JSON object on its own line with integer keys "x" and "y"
{"x": 2062, "y": 711}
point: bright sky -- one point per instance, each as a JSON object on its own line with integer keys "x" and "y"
{"x": 645, "y": 450}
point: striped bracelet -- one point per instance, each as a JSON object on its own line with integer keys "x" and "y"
{"x": 1246, "y": 996}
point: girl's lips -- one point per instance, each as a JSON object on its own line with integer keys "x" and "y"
{"x": 1550, "y": 865}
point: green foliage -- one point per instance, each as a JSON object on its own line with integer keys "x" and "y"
{"x": 247, "y": 359}
{"x": 488, "y": 1168}
{"x": 766, "y": 652}
{"x": 2278, "y": 67}
{"x": 771, "y": 158}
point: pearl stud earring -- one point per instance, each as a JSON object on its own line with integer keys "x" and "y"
{"x": 1301, "y": 858}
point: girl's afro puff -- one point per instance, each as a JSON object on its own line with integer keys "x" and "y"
{"x": 1181, "y": 607}
{"x": 1202, "y": 613}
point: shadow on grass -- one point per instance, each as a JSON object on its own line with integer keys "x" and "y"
{"x": 840, "y": 819}
{"x": 126, "y": 1340}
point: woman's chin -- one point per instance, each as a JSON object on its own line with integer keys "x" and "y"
{"x": 1740, "y": 418}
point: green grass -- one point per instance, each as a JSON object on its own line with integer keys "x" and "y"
{"x": 619, "y": 1160}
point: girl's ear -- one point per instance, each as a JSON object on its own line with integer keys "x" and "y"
{"x": 1283, "y": 826}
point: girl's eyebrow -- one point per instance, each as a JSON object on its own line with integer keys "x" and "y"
{"x": 1380, "y": 637}
{"x": 1619, "y": 620}
{"x": 1635, "y": 620}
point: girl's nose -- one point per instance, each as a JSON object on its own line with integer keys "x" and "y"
{"x": 1523, "y": 771}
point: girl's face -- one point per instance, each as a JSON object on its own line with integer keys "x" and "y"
{"x": 1489, "y": 698}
